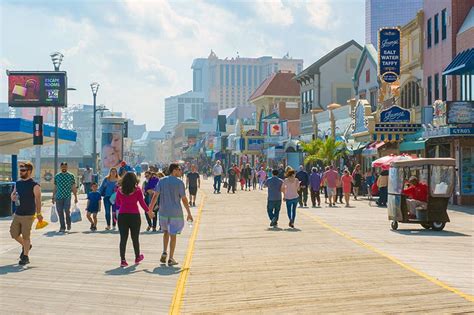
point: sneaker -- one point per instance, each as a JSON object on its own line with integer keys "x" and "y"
{"x": 107, "y": 227}
{"x": 305, "y": 205}
{"x": 94, "y": 228}
{"x": 172, "y": 262}
{"x": 24, "y": 260}
{"x": 148, "y": 229}
{"x": 114, "y": 228}
{"x": 69, "y": 228}
{"x": 21, "y": 254}
{"x": 123, "y": 264}
{"x": 62, "y": 230}
{"x": 139, "y": 258}
{"x": 163, "y": 258}
{"x": 154, "y": 229}
{"x": 292, "y": 225}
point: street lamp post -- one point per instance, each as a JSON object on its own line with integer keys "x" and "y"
{"x": 331, "y": 108}
{"x": 56, "y": 58}
{"x": 315, "y": 122}
{"x": 95, "y": 89}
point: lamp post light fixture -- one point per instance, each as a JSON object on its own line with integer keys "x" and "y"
{"x": 331, "y": 108}
{"x": 56, "y": 58}
{"x": 95, "y": 89}
{"x": 315, "y": 122}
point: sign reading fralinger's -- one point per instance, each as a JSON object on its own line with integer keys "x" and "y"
{"x": 389, "y": 54}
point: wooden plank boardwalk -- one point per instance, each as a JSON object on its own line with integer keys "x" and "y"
{"x": 241, "y": 266}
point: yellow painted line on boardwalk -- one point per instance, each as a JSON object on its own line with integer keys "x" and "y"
{"x": 393, "y": 259}
{"x": 183, "y": 277}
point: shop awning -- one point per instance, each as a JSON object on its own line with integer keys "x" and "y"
{"x": 463, "y": 63}
{"x": 358, "y": 147}
{"x": 406, "y": 146}
{"x": 372, "y": 149}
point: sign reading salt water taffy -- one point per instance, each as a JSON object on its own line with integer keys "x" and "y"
{"x": 389, "y": 54}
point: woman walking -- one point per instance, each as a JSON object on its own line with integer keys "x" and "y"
{"x": 290, "y": 189}
{"x": 148, "y": 190}
{"x": 382, "y": 183}
{"x": 356, "y": 180}
{"x": 346, "y": 180}
{"x": 107, "y": 190}
{"x": 262, "y": 177}
{"x": 128, "y": 195}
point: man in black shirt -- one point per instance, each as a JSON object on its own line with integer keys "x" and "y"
{"x": 303, "y": 177}
{"x": 193, "y": 182}
{"x": 232, "y": 178}
{"x": 27, "y": 198}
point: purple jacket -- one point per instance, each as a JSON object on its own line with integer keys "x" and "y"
{"x": 315, "y": 181}
{"x": 151, "y": 183}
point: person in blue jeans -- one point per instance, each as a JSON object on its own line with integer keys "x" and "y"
{"x": 217, "y": 171}
{"x": 107, "y": 189}
{"x": 290, "y": 188}
{"x": 64, "y": 186}
{"x": 274, "y": 198}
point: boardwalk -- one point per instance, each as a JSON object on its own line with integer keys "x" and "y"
{"x": 337, "y": 261}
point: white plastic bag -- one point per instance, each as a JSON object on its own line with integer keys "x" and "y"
{"x": 54, "y": 214}
{"x": 76, "y": 215}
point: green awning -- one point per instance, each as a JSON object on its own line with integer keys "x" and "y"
{"x": 412, "y": 145}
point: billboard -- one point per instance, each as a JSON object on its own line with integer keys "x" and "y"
{"x": 460, "y": 112}
{"x": 389, "y": 54}
{"x": 112, "y": 146}
{"x": 37, "y": 89}
{"x": 275, "y": 130}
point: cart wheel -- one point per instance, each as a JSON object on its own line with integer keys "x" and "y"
{"x": 426, "y": 225}
{"x": 438, "y": 226}
{"x": 394, "y": 225}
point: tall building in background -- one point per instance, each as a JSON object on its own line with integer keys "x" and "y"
{"x": 230, "y": 82}
{"x": 386, "y": 13}
{"x": 181, "y": 107}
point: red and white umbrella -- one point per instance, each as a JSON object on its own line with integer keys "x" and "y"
{"x": 385, "y": 161}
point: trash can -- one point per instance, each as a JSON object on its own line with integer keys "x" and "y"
{"x": 6, "y": 189}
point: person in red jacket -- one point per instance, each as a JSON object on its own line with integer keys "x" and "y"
{"x": 417, "y": 195}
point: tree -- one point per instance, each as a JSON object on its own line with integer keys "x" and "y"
{"x": 327, "y": 150}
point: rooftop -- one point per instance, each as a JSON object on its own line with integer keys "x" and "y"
{"x": 278, "y": 84}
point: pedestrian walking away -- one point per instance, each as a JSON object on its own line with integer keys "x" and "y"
{"x": 151, "y": 180}
{"x": 27, "y": 198}
{"x": 217, "y": 173}
{"x": 232, "y": 179}
{"x": 303, "y": 177}
{"x": 93, "y": 206}
{"x": 64, "y": 186}
{"x": 172, "y": 192}
{"x": 87, "y": 179}
{"x": 315, "y": 186}
{"x": 382, "y": 184}
{"x": 274, "y": 185}
{"x": 128, "y": 197}
{"x": 356, "y": 180}
{"x": 262, "y": 177}
{"x": 339, "y": 192}
{"x": 346, "y": 180}
{"x": 330, "y": 177}
{"x": 290, "y": 191}
{"x": 108, "y": 192}
{"x": 193, "y": 183}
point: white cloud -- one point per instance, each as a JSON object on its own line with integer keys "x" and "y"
{"x": 82, "y": 32}
{"x": 320, "y": 14}
{"x": 274, "y": 12}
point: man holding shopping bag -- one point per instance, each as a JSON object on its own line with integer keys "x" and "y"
{"x": 64, "y": 185}
{"x": 27, "y": 198}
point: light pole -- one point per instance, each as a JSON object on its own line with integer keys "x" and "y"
{"x": 331, "y": 108}
{"x": 56, "y": 58}
{"x": 95, "y": 89}
{"x": 315, "y": 122}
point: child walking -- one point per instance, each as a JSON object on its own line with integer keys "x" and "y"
{"x": 93, "y": 206}
{"x": 128, "y": 195}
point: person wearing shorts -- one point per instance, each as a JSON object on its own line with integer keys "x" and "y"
{"x": 330, "y": 177}
{"x": 193, "y": 182}
{"x": 27, "y": 198}
{"x": 172, "y": 192}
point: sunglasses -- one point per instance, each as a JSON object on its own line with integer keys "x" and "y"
{"x": 23, "y": 170}
{"x": 63, "y": 164}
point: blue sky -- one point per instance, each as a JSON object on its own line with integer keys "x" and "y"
{"x": 141, "y": 51}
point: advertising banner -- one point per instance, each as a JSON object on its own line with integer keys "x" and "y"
{"x": 460, "y": 112}
{"x": 112, "y": 146}
{"x": 37, "y": 89}
{"x": 275, "y": 130}
{"x": 389, "y": 54}
{"x": 395, "y": 114}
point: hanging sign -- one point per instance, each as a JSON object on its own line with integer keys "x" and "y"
{"x": 389, "y": 54}
{"x": 395, "y": 114}
{"x": 460, "y": 112}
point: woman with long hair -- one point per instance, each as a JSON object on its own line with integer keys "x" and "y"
{"x": 107, "y": 190}
{"x": 356, "y": 180}
{"x": 290, "y": 189}
{"x": 128, "y": 195}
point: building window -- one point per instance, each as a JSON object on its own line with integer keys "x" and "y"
{"x": 353, "y": 63}
{"x": 430, "y": 91}
{"x": 436, "y": 28}
{"x": 443, "y": 24}
{"x": 410, "y": 95}
{"x": 232, "y": 75}
{"x": 436, "y": 86}
{"x": 367, "y": 75}
{"x": 342, "y": 95}
{"x": 467, "y": 87}
{"x": 255, "y": 81}
{"x": 428, "y": 32}
{"x": 444, "y": 87}
{"x": 227, "y": 75}
{"x": 244, "y": 75}
{"x": 299, "y": 68}
{"x": 250, "y": 76}
{"x": 221, "y": 70}
{"x": 373, "y": 100}
{"x": 238, "y": 75}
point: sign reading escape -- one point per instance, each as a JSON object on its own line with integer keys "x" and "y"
{"x": 389, "y": 54}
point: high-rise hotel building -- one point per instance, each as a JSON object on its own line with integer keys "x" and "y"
{"x": 230, "y": 82}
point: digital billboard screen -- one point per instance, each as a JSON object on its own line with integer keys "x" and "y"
{"x": 37, "y": 89}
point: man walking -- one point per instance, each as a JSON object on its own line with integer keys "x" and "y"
{"x": 217, "y": 173}
{"x": 315, "y": 186}
{"x": 193, "y": 182}
{"x": 87, "y": 179}
{"x": 281, "y": 172}
{"x": 64, "y": 185}
{"x": 303, "y": 177}
{"x": 247, "y": 175}
{"x": 171, "y": 191}
{"x": 27, "y": 198}
{"x": 274, "y": 184}
{"x": 330, "y": 177}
